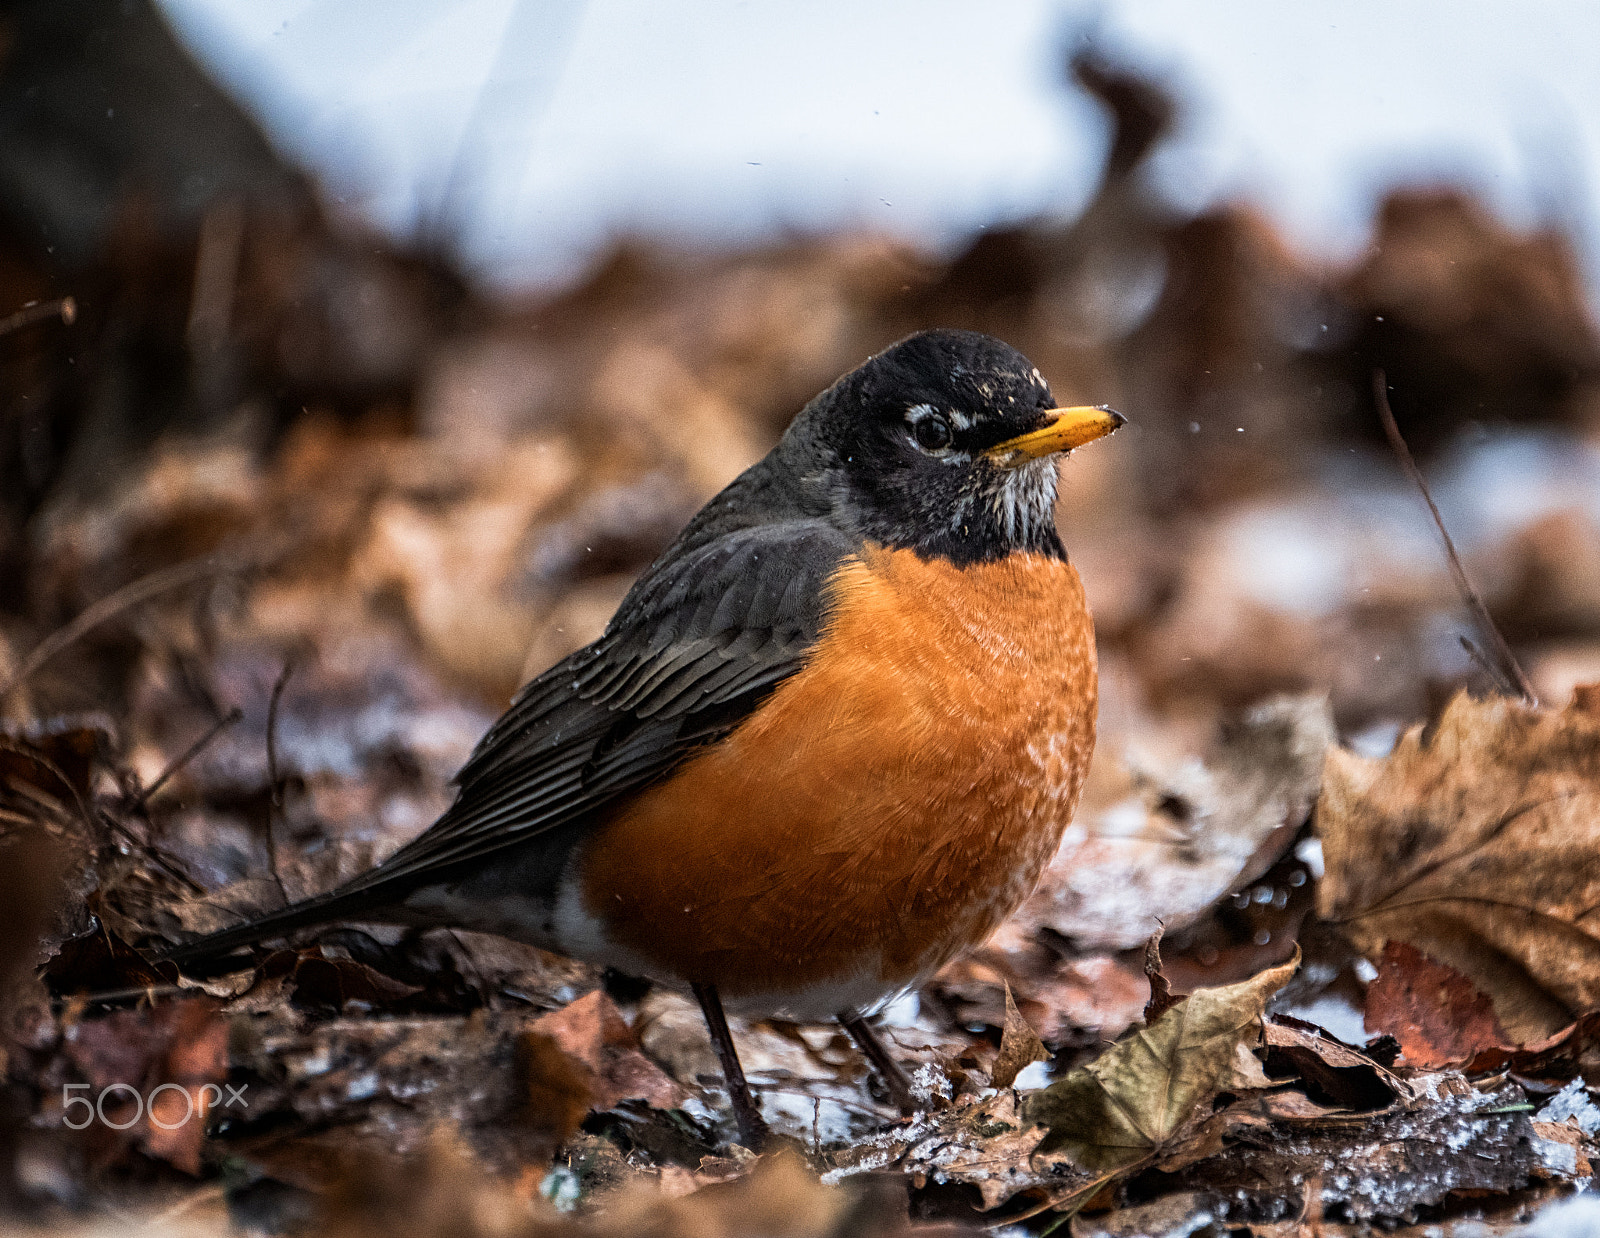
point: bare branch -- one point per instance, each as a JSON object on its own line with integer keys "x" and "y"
{"x": 108, "y": 607}
{"x": 275, "y": 786}
{"x": 232, "y": 716}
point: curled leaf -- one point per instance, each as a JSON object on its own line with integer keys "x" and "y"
{"x": 1161, "y": 995}
{"x": 1019, "y": 1046}
{"x": 1133, "y": 1098}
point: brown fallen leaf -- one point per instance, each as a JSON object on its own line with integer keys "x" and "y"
{"x": 1430, "y": 1008}
{"x": 325, "y": 983}
{"x": 990, "y": 1148}
{"x": 195, "y": 1065}
{"x": 1475, "y": 845}
{"x": 44, "y": 789}
{"x": 1019, "y": 1046}
{"x": 1171, "y": 1214}
{"x": 592, "y": 1031}
{"x": 1449, "y": 1139}
{"x": 156, "y": 1071}
{"x": 779, "y": 1196}
{"x": 57, "y": 759}
{"x": 447, "y": 1192}
{"x": 1568, "y": 1135}
{"x": 1133, "y": 1098}
{"x": 1161, "y": 996}
{"x": 1574, "y": 1050}
{"x": 32, "y": 865}
{"x": 558, "y": 1089}
{"x": 1001, "y": 1149}
{"x": 100, "y": 963}
{"x": 1334, "y": 1073}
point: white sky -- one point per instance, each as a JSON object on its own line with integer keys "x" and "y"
{"x": 728, "y": 120}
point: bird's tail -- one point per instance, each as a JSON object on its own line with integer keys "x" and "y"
{"x": 320, "y": 909}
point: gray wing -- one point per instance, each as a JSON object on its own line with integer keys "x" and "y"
{"x": 698, "y": 644}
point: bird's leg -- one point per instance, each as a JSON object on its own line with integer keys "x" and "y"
{"x": 888, "y": 1069}
{"x": 752, "y": 1127}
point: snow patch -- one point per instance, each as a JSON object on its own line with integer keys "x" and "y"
{"x": 1572, "y": 1104}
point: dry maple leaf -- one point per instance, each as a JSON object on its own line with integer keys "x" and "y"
{"x": 1019, "y": 1046}
{"x": 1135, "y": 1096}
{"x": 1476, "y": 845}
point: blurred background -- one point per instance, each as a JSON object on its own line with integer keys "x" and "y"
{"x": 578, "y": 263}
{"x": 356, "y": 356}
{"x": 527, "y": 136}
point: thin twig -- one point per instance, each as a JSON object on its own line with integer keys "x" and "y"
{"x": 152, "y": 853}
{"x": 150, "y": 991}
{"x": 31, "y": 753}
{"x": 113, "y": 604}
{"x": 1380, "y": 389}
{"x": 275, "y": 799}
{"x": 93, "y": 818}
{"x": 64, "y": 308}
{"x": 229, "y": 719}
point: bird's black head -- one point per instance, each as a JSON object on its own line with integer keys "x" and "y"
{"x": 944, "y": 444}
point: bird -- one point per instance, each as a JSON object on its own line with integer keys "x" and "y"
{"x": 829, "y": 740}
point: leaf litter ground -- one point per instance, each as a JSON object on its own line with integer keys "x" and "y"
{"x": 245, "y": 666}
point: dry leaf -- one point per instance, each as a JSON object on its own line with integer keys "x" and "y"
{"x": 99, "y": 962}
{"x": 1335, "y": 1073}
{"x": 593, "y": 1032}
{"x": 1448, "y": 1139}
{"x": 1430, "y": 1008}
{"x": 1567, "y": 1136}
{"x": 175, "y": 1054}
{"x": 1476, "y": 846}
{"x": 330, "y": 983}
{"x": 197, "y": 1063}
{"x": 32, "y": 865}
{"x": 557, "y": 1089}
{"x": 1135, "y": 1096}
{"x": 445, "y": 1191}
{"x": 991, "y": 1148}
{"x": 1247, "y": 1075}
{"x": 1161, "y": 997}
{"x": 1572, "y": 1051}
{"x": 1019, "y": 1045}
{"x": 1171, "y": 1214}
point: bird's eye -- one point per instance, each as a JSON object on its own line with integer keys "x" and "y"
{"x": 932, "y": 433}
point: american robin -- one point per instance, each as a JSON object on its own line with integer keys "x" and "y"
{"x": 830, "y": 738}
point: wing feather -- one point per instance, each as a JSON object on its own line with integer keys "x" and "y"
{"x": 697, "y": 645}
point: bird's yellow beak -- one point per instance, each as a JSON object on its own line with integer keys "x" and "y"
{"x": 1068, "y": 428}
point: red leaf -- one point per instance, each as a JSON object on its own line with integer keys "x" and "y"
{"x": 1430, "y": 1008}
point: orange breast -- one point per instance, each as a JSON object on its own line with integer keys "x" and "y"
{"x": 886, "y": 807}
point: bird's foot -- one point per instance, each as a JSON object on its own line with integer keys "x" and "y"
{"x": 753, "y": 1132}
